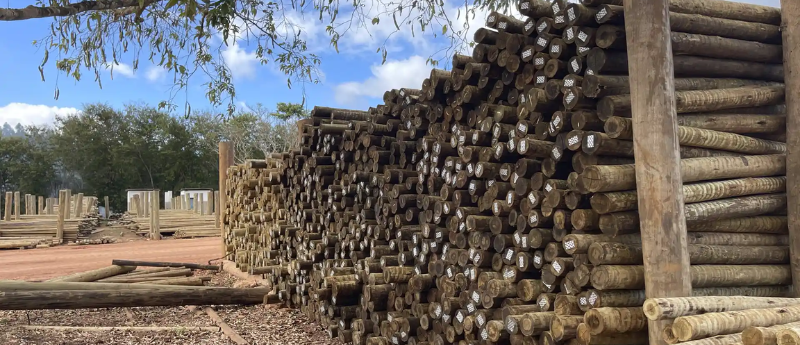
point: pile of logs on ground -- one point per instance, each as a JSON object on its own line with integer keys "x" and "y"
{"x": 254, "y": 205}
{"x": 176, "y": 223}
{"x": 497, "y": 203}
{"x": 38, "y": 223}
{"x": 124, "y": 285}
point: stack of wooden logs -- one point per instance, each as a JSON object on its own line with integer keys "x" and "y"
{"x": 123, "y": 285}
{"x": 37, "y": 223}
{"x": 498, "y": 201}
{"x": 254, "y": 206}
{"x": 177, "y": 223}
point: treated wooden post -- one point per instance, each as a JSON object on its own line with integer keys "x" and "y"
{"x": 155, "y": 226}
{"x": 658, "y": 176}
{"x": 40, "y": 206}
{"x": 226, "y": 155}
{"x": 67, "y": 204}
{"x": 9, "y": 204}
{"x": 78, "y": 205}
{"x": 216, "y": 208}
{"x": 791, "y": 69}
{"x": 108, "y": 210}
{"x": 17, "y": 211}
{"x": 48, "y": 208}
{"x": 62, "y": 211}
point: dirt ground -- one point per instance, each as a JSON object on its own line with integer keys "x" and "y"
{"x": 45, "y": 263}
{"x": 259, "y": 325}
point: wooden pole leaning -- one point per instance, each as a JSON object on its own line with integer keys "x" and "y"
{"x": 791, "y": 66}
{"x": 656, "y": 152}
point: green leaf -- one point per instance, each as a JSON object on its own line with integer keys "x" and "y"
{"x": 170, "y": 4}
{"x": 444, "y": 29}
{"x": 375, "y": 21}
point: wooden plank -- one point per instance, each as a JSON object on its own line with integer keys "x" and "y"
{"x": 662, "y": 220}
{"x": 791, "y": 67}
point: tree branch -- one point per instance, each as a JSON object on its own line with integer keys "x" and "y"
{"x": 30, "y": 12}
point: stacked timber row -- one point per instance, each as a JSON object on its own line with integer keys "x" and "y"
{"x": 497, "y": 203}
{"x": 254, "y": 206}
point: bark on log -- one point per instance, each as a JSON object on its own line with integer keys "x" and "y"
{"x": 95, "y": 275}
{"x": 80, "y": 299}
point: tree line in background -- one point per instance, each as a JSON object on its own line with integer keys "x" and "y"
{"x": 103, "y": 151}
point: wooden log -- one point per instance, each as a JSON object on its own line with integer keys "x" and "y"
{"x": 164, "y": 264}
{"x": 670, "y": 308}
{"x": 615, "y": 320}
{"x": 621, "y": 128}
{"x": 765, "y": 335}
{"x": 226, "y": 329}
{"x": 610, "y": 277}
{"x": 14, "y": 285}
{"x": 622, "y": 177}
{"x": 95, "y": 275}
{"x": 135, "y": 329}
{"x": 610, "y": 253}
{"x": 791, "y": 40}
{"x": 695, "y": 327}
{"x": 79, "y": 299}
{"x": 604, "y": 203}
{"x": 702, "y": 100}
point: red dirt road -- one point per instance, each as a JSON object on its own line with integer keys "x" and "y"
{"x": 39, "y": 264}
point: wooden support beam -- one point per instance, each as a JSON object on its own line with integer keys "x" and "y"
{"x": 791, "y": 67}
{"x": 226, "y": 155}
{"x": 217, "y": 208}
{"x": 108, "y": 210}
{"x": 658, "y": 176}
{"x": 66, "y": 205}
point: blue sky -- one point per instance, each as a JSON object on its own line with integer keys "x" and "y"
{"x": 353, "y": 78}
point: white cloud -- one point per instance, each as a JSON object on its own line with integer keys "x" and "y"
{"x": 32, "y": 114}
{"x": 241, "y": 63}
{"x": 394, "y": 74}
{"x": 121, "y": 69}
{"x": 155, "y": 73}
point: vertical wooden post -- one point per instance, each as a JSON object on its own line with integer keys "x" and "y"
{"x": 9, "y": 205}
{"x": 78, "y": 205}
{"x": 48, "y": 208}
{"x": 62, "y": 211}
{"x": 155, "y": 231}
{"x": 658, "y": 174}
{"x": 17, "y": 211}
{"x": 202, "y": 208}
{"x": 67, "y": 204}
{"x": 40, "y": 206}
{"x": 790, "y": 27}
{"x": 226, "y": 156}
{"x": 108, "y": 210}
{"x": 216, "y": 208}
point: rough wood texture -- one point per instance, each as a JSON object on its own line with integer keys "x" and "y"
{"x": 657, "y": 168}
{"x": 95, "y": 275}
{"x": 79, "y": 299}
{"x": 670, "y": 308}
{"x": 791, "y": 55}
{"x": 702, "y": 326}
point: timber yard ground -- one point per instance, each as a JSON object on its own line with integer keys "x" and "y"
{"x": 256, "y": 324}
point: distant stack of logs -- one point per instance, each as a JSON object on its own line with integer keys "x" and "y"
{"x": 498, "y": 202}
{"x": 254, "y": 207}
{"x": 179, "y": 224}
{"x": 36, "y": 221}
